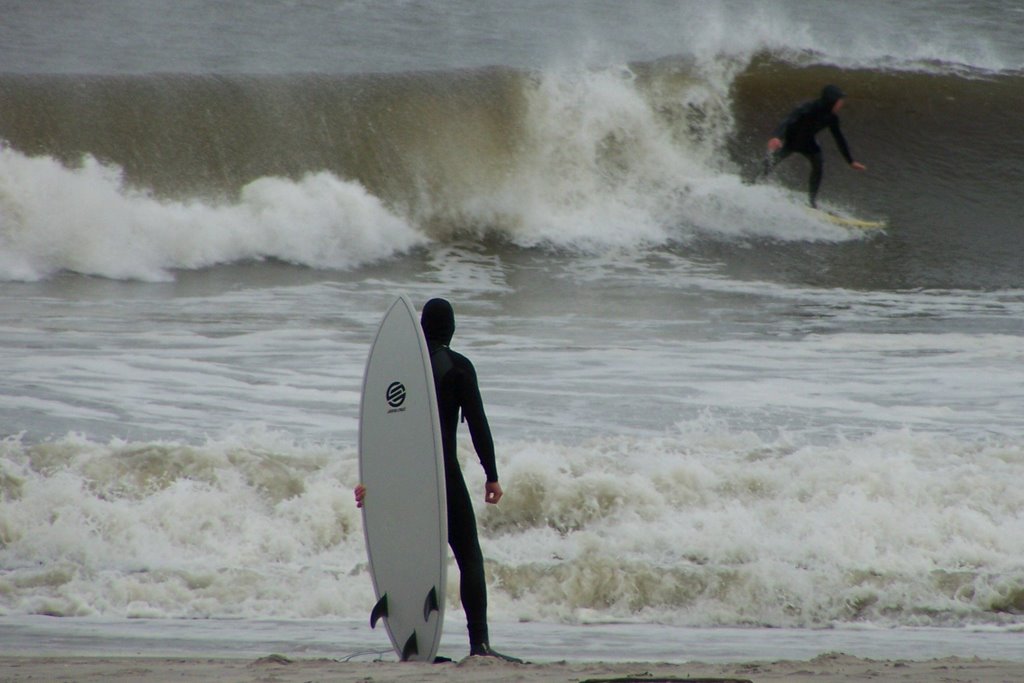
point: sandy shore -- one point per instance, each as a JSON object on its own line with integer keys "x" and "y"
{"x": 826, "y": 668}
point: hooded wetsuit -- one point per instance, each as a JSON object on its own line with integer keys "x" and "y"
{"x": 457, "y": 390}
{"x": 798, "y": 132}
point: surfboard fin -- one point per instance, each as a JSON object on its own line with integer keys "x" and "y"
{"x": 411, "y": 648}
{"x": 430, "y": 604}
{"x": 379, "y": 610}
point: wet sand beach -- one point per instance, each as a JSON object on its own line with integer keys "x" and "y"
{"x": 826, "y": 668}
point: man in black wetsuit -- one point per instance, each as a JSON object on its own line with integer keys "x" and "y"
{"x": 457, "y": 389}
{"x": 797, "y": 134}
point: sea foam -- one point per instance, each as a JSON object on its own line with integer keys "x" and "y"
{"x": 702, "y": 525}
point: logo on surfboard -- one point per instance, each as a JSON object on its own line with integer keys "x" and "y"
{"x": 395, "y": 396}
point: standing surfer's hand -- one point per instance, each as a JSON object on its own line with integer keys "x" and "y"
{"x": 857, "y": 166}
{"x": 492, "y": 492}
{"x": 360, "y": 494}
{"x": 774, "y": 144}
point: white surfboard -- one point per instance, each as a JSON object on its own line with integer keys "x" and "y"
{"x": 401, "y": 464}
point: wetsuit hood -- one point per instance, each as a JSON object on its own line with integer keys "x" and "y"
{"x": 438, "y": 321}
{"x": 831, "y": 94}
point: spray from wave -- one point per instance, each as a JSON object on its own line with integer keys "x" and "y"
{"x": 87, "y": 220}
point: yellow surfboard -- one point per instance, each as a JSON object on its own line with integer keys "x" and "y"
{"x": 847, "y": 221}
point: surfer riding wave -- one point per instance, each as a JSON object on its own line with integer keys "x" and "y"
{"x": 797, "y": 133}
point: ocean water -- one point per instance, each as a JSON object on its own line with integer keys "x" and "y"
{"x": 721, "y": 422}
